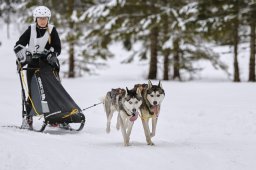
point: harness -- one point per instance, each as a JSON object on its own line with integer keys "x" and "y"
{"x": 143, "y": 89}
{"x": 122, "y": 107}
{"x": 116, "y": 97}
{"x": 148, "y": 106}
{"x": 116, "y": 94}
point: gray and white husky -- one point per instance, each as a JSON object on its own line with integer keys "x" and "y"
{"x": 126, "y": 103}
{"x": 152, "y": 97}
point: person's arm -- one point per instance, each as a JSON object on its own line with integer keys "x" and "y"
{"x": 55, "y": 41}
{"x": 20, "y": 46}
{"x": 24, "y": 38}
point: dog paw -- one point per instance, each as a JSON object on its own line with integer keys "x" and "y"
{"x": 127, "y": 141}
{"x": 151, "y": 144}
{"x": 126, "y": 144}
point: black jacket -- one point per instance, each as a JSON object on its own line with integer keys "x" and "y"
{"x": 55, "y": 40}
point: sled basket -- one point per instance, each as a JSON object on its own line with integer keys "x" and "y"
{"x": 48, "y": 99}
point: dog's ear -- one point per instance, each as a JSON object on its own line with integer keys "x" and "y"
{"x": 160, "y": 84}
{"x": 126, "y": 91}
{"x": 149, "y": 84}
{"x": 138, "y": 91}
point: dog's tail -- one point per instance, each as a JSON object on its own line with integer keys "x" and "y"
{"x": 107, "y": 104}
{"x": 107, "y": 107}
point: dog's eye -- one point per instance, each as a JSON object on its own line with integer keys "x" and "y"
{"x": 136, "y": 102}
{"x": 158, "y": 95}
{"x": 130, "y": 102}
{"x": 152, "y": 95}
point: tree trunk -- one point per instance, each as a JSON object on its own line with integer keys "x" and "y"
{"x": 236, "y": 42}
{"x": 167, "y": 51}
{"x": 176, "y": 61}
{"x": 252, "y": 54}
{"x": 153, "y": 53}
{"x": 8, "y": 30}
{"x": 71, "y": 71}
{"x": 8, "y": 26}
{"x": 166, "y": 64}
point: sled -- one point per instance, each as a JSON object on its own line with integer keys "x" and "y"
{"x": 47, "y": 103}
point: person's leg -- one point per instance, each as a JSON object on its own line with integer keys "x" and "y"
{"x": 29, "y": 118}
{"x": 29, "y": 78}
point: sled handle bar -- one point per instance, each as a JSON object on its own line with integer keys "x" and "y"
{"x": 30, "y": 68}
{"x": 39, "y": 55}
{"x": 33, "y": 56}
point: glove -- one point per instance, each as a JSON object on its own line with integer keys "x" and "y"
{"x": 52, "y": 58}
{"x": 23, "y": 56}
{"x": 28, "y": 57}
{"x": 20, "y": 52}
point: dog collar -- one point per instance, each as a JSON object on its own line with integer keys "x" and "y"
{"x": 127, "y": 111}
{"x": 148, "y": 105}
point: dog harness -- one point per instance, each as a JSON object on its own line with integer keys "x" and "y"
{"x": 116, "y": 94}
{"x": 133, "y": 117}
{"x": 149, "y": 107}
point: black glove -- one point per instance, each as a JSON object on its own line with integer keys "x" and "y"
{"x": 52, "y": 58}
{"x": 20, "y": 52}
{"x": 28, "y": 57}
{"x": 23, "y": 56}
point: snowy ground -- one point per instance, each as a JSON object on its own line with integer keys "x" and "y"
{"x": 202, "y": 126}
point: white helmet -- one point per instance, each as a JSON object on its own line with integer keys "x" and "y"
{"x": 41, "y": 11}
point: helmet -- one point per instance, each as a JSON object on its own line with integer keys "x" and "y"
{"x": 41, "y": 11}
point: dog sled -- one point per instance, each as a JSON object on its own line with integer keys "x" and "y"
{"x": 47, "y": 103}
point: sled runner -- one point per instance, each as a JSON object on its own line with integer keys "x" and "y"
{"x": 47, "y": 103}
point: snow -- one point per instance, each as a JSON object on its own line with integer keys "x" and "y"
{"x": 74, "y": 16}
{"x": 109, "y": 25}
{"x": 202, "y": 125}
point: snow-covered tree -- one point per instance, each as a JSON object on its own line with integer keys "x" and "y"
{"x": 8, "y": 9}
{"x": 223, "y": 20}
{"x": 164, "y": 28}
{"x": 249, "y": 19}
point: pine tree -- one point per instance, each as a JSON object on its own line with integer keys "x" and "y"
{"x": 68, "y": 18}
{"x": 223, "y": 23}
{"x": 249, "y": 14}
{"x": 132, "y": 22}
{"x": 7, "y": 9}
{"x": 163, "y": 28}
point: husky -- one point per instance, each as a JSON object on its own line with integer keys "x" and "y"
{"x": 152, "y": 97}
{"x": 126, "y": 103}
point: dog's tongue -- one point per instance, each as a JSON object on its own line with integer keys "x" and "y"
{"x": 155, "y": 109}
{"x": 133, "y": 118}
